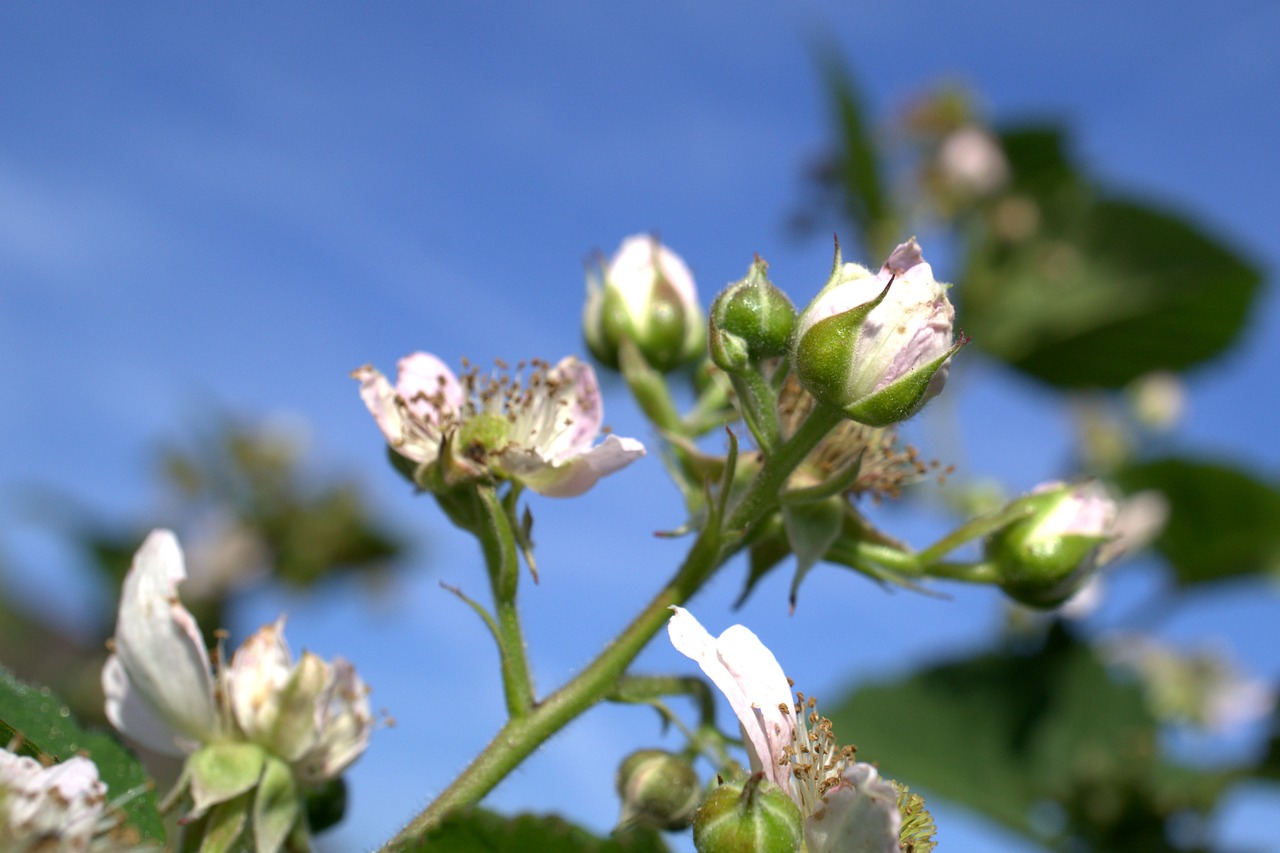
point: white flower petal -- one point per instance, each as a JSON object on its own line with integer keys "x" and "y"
{"x": 133, "y": 715}
{"x": 578, "y": 474}
{"x": 859, "y": 815}
{"x": 158, "y": 644}
{"x": 751, "y": 679}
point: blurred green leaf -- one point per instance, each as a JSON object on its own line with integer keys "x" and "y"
{"x": 857, "y": 166}
{"x": 1008, "y": 731}
{"x": 1223, "y": 522}
{"x": 481, "y": 831}
{"x": 43, "y": 724}
{"x": 1084, "y": 289}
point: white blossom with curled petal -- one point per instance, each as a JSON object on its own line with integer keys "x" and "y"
{"x": 159, "y": 683}
{"x": 54, "y": 809}
{"x": 313, "y": 714}
{"x": 538, "y": 429}
{"x": 847, "y": 807}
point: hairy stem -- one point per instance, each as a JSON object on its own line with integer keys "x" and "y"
{"x": 714, "y": 545}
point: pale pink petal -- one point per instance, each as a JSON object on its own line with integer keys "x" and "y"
{"x": 159, "y": 645}
{"x": 573, "y": 477}
{"x": 380, "y": 398}
{"x": 585, "y": 409}
{"x": 859, "y": 815}
{"x": 427, "y": 386}
{"x": 903, "y": 258}
{"x": 749, "y": 676}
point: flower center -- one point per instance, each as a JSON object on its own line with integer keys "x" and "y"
{"x": 817, "y": 758}
{"x": 482, "y": 435}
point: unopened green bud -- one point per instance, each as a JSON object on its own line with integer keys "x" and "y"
{"x": 1048, "y": 554}
{"x": 755, "y": 816}
{"x": 877, "y": 346}
{"x": 646, "y": 294}
{"x": 658, "y": 789}
{"x": 751, "y": 319}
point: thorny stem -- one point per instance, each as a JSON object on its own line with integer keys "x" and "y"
{"x": 715, "y": 544}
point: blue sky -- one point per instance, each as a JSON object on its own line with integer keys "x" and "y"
{"x": 232, "y": 206}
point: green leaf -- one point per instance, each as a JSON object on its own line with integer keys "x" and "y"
{"x": 1008, "y": 730}
{"x": 43, "y": 724}
{"x": 1223, "y": 522}
{"x": 481, "y": 831}
{"x": 1093, "y": 290}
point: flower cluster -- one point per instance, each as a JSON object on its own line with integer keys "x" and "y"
{"x": 844, "y": 804}
{"x": 283, "y": 722}
{"x": 539, "y": 430}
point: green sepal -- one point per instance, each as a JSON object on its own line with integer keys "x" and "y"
{"x": 837, "y": 484}
{"x": 220, "y": 771}
{"x": 729, "y": 352}
{"x": 756, "y": 815}
{"x": 277, "y": 806}
{"x": 824, "y": 353}
{"x": 901, "y": 398}
{"x": 812, "y": 528}
{"x": 224, "y": 826}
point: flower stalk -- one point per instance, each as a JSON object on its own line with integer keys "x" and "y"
{"x": 522, "y": 734}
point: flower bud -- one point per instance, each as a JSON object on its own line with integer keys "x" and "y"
{"x": 647, "y": 296}
{"x": 658, "y": 789}
{"x": 877, "y": 346}
{"x": 751, "y": 319}
{"x": 748, "y": 817}
{"x": 1045, "y": 556}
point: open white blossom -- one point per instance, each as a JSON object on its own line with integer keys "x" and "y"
{"x": 539, "y": 430}
{"x": 160, "y": 685}
{"x": 58, "y": 809}
{"x": 846, "y": 806}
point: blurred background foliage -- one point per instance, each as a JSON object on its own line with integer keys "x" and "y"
{"x": 250, "y": 508}
{"x": 1059, "y": 731}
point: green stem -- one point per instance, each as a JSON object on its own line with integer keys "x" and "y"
{"x": 906, "y": 564}
{"x": 523, "y": 734}
{"x": 759, "y": 406}
{"x": 649, "y": 388}
{"x": 498, "y": 539}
